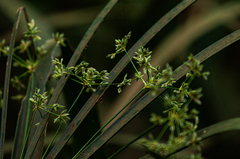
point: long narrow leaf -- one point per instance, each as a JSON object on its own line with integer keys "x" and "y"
{"x": 114, "y": 73}
{"x": 6, "y": 82}
{"x": 72, "y": 62}
{"x": 148, "y": 98}
{"x": 21, "y": 124}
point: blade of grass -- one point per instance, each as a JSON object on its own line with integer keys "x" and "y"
{"x": 22, "y": 124}
{"x": 148, "y": 98}
{"x": 114, "y": 73}
{"x": 88, "y": 35}
{"x": 7, "y": 80}
{"x": 24, "y": 113}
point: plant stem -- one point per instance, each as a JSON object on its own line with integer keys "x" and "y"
{"x": 48, "y": 111}
{"x": 28, "y": 127}
{"x": 139, "y": 136}
{"x": 20, "y": 60}
{"x": 23, "y": 74}
{"x": 76, "y": 99}
{"x": 52, "y": 141}
{"x": 29, "y": 57}
{"x": 177, "y": 129}
{"x": 27, "y": 134}
{"x": 163, "y": 131}
{"x": 135, "y": 68}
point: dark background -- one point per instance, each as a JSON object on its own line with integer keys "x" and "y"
{"x": 197, "y": 27}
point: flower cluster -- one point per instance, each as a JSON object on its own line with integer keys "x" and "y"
{"x": 62, "y": 117}
{"x": 59, "y": 38}
{"x": 143, "y": 57}
{"x": 23, "y": 46}
{"x": 33, "y": 58}
{"x": 59, "y": 69}
{"x": 156, "y": 78}
{"x": 124, "y": 82}
{"x": 39, "y": 102}
{"x": 120, "y": 45}
{"x": 180, "y": 119}
{"x": 86, "y": 76}
{"x": 196, "y": 68}
{"x": 32, "y": 31}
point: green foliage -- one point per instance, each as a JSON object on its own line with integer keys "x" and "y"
{"x": 155, "y": 78}
{"x": 179, "y": 117}
{"x": 86, "y": 76}
{"x": 32, "y": 31}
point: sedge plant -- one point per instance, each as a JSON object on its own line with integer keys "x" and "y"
{"x": 178, "y": 118}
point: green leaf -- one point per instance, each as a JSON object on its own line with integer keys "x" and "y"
{"x": 6, "y": 82}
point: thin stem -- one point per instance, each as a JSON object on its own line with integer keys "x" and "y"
{"x": 29, "y": 57}
{"x": 27, "y": 134}
{"x": 95, "y": 84}
{"x": 191, "y": 79}
{"x": 177, "y": 129}
{"x": 28, "y": 127}
{"x": 175, "y": 88}
{"x": 23, "y": 74}
{"x": 55, "y": 135}
{"x": 139, "y": 136}
{"x": 29, "y": 103}
{"x": 107, "y": 123}
{"x": 162, "y": 132}
{"x": 76, "y": 99}
{"x": 188, "y": 102}
{"x": 135, "y": 67}
{"x": 77, "y": 81}
{"x": 48, "y": 111}
{"x": 19, "y": 60}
